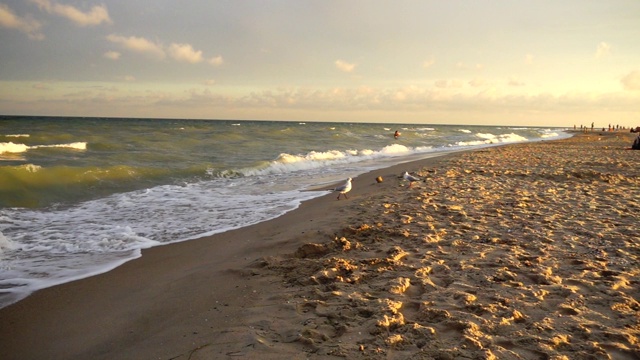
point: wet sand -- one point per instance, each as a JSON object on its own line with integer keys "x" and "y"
{"x": 525, "y": 251}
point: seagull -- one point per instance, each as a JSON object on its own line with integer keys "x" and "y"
{"x": 410, "y": 178}
{"x": 344, "y": 189}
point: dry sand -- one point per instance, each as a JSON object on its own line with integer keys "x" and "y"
{"x": 527, "y": 251}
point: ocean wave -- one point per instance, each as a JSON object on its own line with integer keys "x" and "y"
{"x": 5, "y": 244}
{"x": 287, "y": 163}
{"x": 550, "y": 135}
{"x": 489, "y": 139}
{"x": 75, "y": 145}
{"x": 31, "y": 168}
{"x": 503, "y": 138}
{"x": 31, "y": 186}
{"x": 10, "y": 147}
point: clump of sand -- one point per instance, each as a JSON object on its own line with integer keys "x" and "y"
{"x": 526, "y": 251}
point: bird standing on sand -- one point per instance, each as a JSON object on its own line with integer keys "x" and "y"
{"x": 410, "y": 178}
{"x": 344, "y": 189}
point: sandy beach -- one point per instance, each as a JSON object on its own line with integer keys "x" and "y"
{"x": 524, "y": 251}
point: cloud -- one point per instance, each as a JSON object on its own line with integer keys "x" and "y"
{"x": 443, "y": 84}
{"x": 185, "y": 53}
{"x": 515, "y": 82}
{"x": 631, "y": 81}
{"x": 216, "y": 61}
{"x": 428, "y": 63}
{"x": 113, "y": 55}
{"x": 477, "y": 82}
{"x": 295, "y": 103}
{"x": 179, "y": 52}
{"x": 41, "y": 86}
{"x": 603, "y": 50}
{"x": 461, "y": 65}
{"x": 345, "y": 66}
{"x": 27, "y": 25}
{"x": 96, "y": 16}
{"x": 139, "y": 45}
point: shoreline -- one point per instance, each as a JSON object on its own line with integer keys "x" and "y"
{"x": 23, "y": 325}
{"x": 237, "y": 294}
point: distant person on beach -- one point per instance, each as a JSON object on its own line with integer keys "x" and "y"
{"x": 396, "y": 134}
{"x": 636, "y": 143}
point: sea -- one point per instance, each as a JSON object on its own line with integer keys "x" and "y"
{"x": 81, "y": 196}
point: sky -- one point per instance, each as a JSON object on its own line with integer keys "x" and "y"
{"x": 492, "y": 62}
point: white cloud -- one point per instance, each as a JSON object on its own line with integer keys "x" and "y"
{"x": 27, "y": 25}
{"x": 178, "y": 52}
{"x": 209, "y": 82}
{"x": 138, "y": 44}
{"x": 631, "y": 81}
{"x": 185, "y": 53}
{"x": 96, "y": 16}
{"x": 345, "y": 66}
{"x": 603, "y": 50}
{"x": 113, "y": 55}
{"x": 216, "y": 61}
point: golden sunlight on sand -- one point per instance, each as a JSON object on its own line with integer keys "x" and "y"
{"x": 519, "y": 252}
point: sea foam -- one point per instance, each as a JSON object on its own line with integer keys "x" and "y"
{"x": 10, "y": 147}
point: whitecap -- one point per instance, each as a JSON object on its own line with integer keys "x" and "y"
{"x": 5, "y": 243}
{"x": 75, "y": 145}
{"x": 12, "y": 148}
